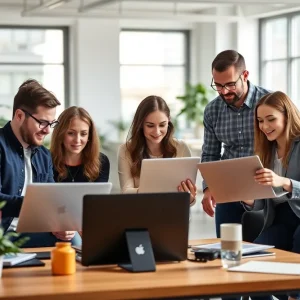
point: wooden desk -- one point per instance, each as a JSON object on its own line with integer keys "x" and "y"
{"x": 169, "y": 281}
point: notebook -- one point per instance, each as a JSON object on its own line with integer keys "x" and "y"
{"x": 13, "y": 259}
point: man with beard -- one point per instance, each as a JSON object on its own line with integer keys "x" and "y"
{"x": 24, "y": 160}
{"x": 228, "y": 124}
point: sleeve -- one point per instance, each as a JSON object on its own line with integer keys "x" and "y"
{"x": 125, "y": 177}
{"x": 50, "y": 166}
{"x": 211, "y": 149}
{"x": 105, "y": 168}
{"x": 295, "y": 194}
{"x": 13, "y": 203}
{"x": 185, "y": 151}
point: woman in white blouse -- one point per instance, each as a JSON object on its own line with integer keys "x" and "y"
{"x": 151, "y": 136}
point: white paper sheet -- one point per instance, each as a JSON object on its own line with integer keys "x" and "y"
{"x": 268, "y": 267}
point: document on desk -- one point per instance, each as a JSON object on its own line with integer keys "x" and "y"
{"x": 268, "y": 267}
{"x": 246, "y": 247}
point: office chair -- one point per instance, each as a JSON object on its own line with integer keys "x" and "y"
{"x": 252, "y": 224}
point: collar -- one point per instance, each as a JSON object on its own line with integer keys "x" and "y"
{"x": 14, "y": 141}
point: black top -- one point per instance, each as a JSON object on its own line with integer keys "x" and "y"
{"x": 75, "y": 173}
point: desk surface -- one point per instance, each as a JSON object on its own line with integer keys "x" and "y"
{"x": 170, "y": 280}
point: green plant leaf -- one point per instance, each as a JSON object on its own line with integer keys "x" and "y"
{"x": 194, "y": 102}
{"x": 2, "y": 203}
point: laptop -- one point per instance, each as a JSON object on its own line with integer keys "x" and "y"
{"x": 232, "y": 180}
{"x": 160, "y": 175}
{"x": 163, "y": 216}
{"x": 50, "y": 207}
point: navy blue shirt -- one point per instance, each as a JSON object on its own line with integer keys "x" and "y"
{"x": 12, "y": 172}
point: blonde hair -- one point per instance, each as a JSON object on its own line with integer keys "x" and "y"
{"x": 262, "y": 146}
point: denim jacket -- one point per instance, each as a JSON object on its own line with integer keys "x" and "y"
{"x": 12, "y": 172}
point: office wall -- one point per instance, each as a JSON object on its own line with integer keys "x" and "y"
{"x": 94, "y": 55}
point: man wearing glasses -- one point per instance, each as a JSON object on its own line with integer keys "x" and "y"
{"x": 229, "y": 124}
{"x": 23, "y": 159}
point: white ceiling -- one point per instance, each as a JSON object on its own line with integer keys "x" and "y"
{"x": 186, "y": 10}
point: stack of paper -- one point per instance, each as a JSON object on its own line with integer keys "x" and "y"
{"x": 13, "y": 259}
{"x": 246, "y": 248}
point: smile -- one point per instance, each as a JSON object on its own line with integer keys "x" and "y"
{"x": 269, "y": 132}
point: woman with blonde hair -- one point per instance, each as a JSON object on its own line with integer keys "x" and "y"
{"x": 151, "y": 136}
{"x": 75, "y": 149}
{"x": 277, "y": 143}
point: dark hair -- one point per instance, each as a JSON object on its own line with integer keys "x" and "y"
{"x": 228, "y": 58}
{"x": 262, "y": 146}
{"x": 136, "y": 142}
{"x": 32, "y": 94}
{"x": 90, "y": 153}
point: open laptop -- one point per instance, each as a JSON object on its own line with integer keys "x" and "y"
{"x": 50, "y": 207}
{"x": 232, "y": 180}
{"x": 165, "y": 174}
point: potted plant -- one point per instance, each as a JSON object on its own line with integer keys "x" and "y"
{"x": 121, "y": 127}
{"x": 194, "y": 101}
{"x": 6, "y": 245}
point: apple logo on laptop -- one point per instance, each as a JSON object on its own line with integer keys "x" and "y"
{"x": 61, "y": 209}
{"x": 140, "y": 250}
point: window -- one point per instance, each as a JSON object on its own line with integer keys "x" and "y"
{"x": 280, "y": 54}
{"x": 37, "y": 53}
{"x": 152, "y": 63}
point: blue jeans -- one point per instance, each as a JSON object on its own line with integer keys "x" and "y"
{"x": 46, "y": 239}
{"x": 228, "y": 213}
{"x": 284, "y": 234}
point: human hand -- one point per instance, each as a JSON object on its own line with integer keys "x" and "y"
{"x": 249, "y": 202}
{"x": 191, "y": 188}
{"x": 64, "y": 235}
{"x": 208, "y": 203}
{"x": 268, "y": 177}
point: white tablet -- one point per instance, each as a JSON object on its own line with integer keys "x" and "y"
{"x": 232, "y": 180}
{"x": 165, "y": 174}
{"x": 50, "y": 207}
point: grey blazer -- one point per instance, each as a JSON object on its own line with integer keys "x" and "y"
{"x": 293, "y": 198}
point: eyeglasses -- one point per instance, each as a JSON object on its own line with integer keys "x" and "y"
{"x": 230, "y": 86}
{"x": 42, "y": 124}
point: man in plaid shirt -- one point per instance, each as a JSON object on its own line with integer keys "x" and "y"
{"x": 229, "y": 125}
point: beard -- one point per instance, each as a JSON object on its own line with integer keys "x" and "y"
{"x": 236, "y": 97}
{"x": 233, "y": 100}
{"x": 28, "y": 137}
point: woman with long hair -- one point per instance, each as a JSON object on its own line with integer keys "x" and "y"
{"x": 75, "y": 149}
{"x": 151, "y": 136}
{"x": 277, "y": 143}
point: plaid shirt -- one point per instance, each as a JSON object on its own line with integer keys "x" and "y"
{"x": 230, "y": 127}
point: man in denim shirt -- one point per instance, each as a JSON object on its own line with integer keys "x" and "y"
{"x": 23, "y": 159}
{"x": 229, "y": 124}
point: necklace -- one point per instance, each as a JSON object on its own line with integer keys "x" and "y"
{"x": 70, "y": 173}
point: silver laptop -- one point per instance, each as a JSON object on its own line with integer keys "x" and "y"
{"x": 165, "y": 174}
{"x": 50, "y": 207}
{"x": 232, "y": 180}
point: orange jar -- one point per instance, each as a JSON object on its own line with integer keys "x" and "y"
{"x": 63, "y": 260}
